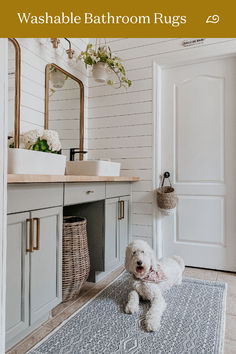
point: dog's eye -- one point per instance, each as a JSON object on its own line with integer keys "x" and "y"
{"x": 142, "y": 251}
{"x": 134, "y": 252}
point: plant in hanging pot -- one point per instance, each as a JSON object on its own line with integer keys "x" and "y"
{"x": 104, "y": 62}
{"x": 39, "y": 154}
{"x": 57, "y": 78}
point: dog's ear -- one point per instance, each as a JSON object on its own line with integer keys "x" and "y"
{"x": 153, "y": 261}
{"x": 127, "y": 258}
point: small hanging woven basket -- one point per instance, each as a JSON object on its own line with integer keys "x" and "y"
{"x": 166, "y": 195}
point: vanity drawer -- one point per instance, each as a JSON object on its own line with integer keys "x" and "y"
{"x": 117, "y": 189}
{"x": 24, "y": 197}
{"x": 78, "y": 193}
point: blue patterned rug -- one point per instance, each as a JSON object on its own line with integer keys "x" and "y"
{"x": 193, "y": 322}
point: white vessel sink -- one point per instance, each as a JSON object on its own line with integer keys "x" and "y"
{"x": 93, "y": 168}
{"x": 22, "y": 161}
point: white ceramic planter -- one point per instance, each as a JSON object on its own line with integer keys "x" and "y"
{"x": 22, "y": 161}
{"x": 99, "y": 72}
{"x": 57, "y": 78}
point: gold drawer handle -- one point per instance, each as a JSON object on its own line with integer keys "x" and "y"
{"x": 31, "y": 248}
{"x": 89, "y": 192}
{"x": 122, "y": 209}
{"x": 37, "y": 248}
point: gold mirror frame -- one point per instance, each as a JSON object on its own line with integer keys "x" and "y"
{"x": 47, "y": 77}
{"x": 17, "y": 91}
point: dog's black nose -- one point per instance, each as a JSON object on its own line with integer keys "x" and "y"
{"x": 139, "y": 263}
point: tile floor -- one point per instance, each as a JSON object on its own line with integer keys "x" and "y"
{"x": 63, "y": 311}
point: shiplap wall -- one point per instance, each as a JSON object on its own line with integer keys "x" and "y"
{"x": 120, "y": 122}
{"x": 64, "y": 113}
{"x": 36, "y": 53}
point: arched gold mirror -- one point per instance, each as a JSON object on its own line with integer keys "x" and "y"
{"x": 14, "y": 77}
{"x": 64, "y": 109}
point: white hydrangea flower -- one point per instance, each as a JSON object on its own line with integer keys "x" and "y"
{"x": 52, "y": 138}
{"x": 29, "y": 138}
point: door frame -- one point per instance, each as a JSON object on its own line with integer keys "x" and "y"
{"x": 186, "y": 56}
{"x": 3, "y": 182}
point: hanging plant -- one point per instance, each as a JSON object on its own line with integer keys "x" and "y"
{"x": 102, "y": 60}
{"x": 57, "y": 78}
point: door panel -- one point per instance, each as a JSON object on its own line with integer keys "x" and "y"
{"x": 45, "y": 276}
{"x": 111, "y": 233}
{"x": 198, "y": 140}
{"x": 17, "y": 289}
{"x": 124, "y": 228}
{"x": 199, "y": 130}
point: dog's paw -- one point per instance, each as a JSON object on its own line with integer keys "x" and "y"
{"x": 152, "y": 324}
{"x": 131, "y": 308}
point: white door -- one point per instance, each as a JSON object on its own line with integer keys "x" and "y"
{"x": 198, "y": 148}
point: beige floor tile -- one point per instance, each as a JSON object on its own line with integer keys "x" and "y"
{"x": 30, "y": 341}
{"x": 230, "y": 332}
{"x": 64, "y": 305}
{"x": 229, "y": 347}
{"x": 230, "y": 279}
{"x": 204, "y": 274}
{"x": 231, "y": 304}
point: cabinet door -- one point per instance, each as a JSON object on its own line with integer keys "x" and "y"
{"x": 111, "y": 234}
{"x": 45, "y": 263}
{"x": 17, "y": 271}
{"x": 124, "y": 225}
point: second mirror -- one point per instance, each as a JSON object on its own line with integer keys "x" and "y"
{"x": 64, "y": 109}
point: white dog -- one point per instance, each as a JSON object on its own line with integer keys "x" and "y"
{"x": 150, "y": 279}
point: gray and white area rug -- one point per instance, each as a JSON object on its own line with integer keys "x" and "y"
{"x": 193, "y": 322}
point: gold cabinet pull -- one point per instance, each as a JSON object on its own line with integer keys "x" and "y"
{"x": 31, "y": 248}
{"x": 89, "y": 192}
{"x": 37, "y": 248}
{"x": 122, "y": 209}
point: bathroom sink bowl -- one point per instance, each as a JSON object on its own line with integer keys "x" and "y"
{"x": 93, "y": 168}
{"x": 22, "y": 161}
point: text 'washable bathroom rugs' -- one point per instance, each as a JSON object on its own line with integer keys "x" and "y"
{"x": 193, "y": 322}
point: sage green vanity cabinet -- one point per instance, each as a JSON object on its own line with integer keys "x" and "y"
{"x": 17, "y": 275}
{"x": 124, "y": 226}
{"x": 34, "y": 284}
{"x": 45, "y": 264}
{"x": 111, "y": 242}
{"x": 116, "y": 231}
{"x": 33, "y": 275}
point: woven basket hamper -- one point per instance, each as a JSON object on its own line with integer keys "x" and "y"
{"x": 75, "y": 256}
{"x": 166, "y": 197}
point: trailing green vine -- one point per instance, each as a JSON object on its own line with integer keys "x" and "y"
{"x": 103, "y": 54}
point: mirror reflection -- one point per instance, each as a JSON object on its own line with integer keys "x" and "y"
{"x": 13, "y": 92}
{"x": 65, "y": 108}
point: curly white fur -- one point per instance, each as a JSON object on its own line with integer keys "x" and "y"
{"x": 140, "y": 253}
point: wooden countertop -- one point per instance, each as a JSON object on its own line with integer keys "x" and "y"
{"x": 66, "y": 178}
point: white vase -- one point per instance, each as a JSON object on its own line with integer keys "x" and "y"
{"x": 57, "y": 78}
{"x": 22, "y": 161}
{"x": 99, "y": 72}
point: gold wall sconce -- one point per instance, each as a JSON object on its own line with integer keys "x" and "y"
{"x": 70, "y": 52}
{"x": 55, "y": 42}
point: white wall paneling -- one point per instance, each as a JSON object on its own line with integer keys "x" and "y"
{"x": 120, "y": 121}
